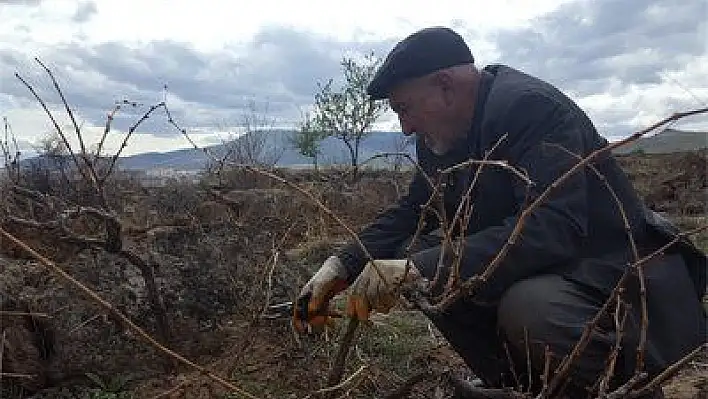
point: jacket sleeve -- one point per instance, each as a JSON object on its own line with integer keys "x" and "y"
{"x": 383, "y": 237}
{"x": 553, "y": 232}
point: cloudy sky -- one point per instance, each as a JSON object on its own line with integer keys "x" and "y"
{"x": 627, "y": 62}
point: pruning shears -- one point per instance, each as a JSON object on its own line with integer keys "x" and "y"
{"x": 287, "y": 310}
{"x": 279, "y": 310}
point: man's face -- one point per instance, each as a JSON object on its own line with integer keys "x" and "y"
{"x": 424, "y": 108}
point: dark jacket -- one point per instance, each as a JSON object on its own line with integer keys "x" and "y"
{"x": 577, "y": 232}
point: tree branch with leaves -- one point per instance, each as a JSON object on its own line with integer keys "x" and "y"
{"x": 347, "y": 113}
{"x": 307, "y": 139}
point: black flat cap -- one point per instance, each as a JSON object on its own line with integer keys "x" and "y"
{"x": 419, "y": 54}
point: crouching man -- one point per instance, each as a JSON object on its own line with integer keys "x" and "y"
{"x": 572, "y": 250}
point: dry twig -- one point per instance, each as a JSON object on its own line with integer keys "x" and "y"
{"x": 669, "y": 372}
{"x": 21, "y": 314}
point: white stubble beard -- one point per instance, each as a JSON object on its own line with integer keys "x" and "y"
{"x": 436, "y": 147}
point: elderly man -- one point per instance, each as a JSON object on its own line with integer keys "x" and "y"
{"x": 573, "y": 248}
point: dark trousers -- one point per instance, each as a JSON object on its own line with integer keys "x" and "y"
{"x": 539, "y": 313}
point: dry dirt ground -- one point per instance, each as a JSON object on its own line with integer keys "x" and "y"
{"x": 221, "y": 251}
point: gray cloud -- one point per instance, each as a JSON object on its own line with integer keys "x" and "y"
{"x": 584, "y": 47}
{"x": 84, "y": 11}
{"x": 279, "y": 68}
{"x": 584, "y": 43}
{"x": 610, "y": 46}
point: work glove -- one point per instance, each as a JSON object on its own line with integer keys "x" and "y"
{"x": 379, "y": 290}
{"x": 312, "y": 309}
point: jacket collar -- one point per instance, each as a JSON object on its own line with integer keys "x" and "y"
{"x": 475, "y": 133}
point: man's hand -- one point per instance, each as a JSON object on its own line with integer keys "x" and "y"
{"x": 378, "y": 290}
{"x": 312, "y": 306}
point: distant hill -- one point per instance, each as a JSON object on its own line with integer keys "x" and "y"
{"x": 277, "y": 146}
{"x": 333, "y": 151}
{"x": 187, "y": 159}
{"x": 667, "y": 141}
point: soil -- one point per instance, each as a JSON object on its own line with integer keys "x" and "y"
{"x": 220, "y": 253}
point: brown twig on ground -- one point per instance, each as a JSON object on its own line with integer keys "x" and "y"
{"x": 669, "y": 372}
{"x": 84, "y": 323}
{"x": 15, "y": 375}
{"x": 120, "y": 316}
{"x": 345, "y": 344}
{"x": 622, "y": 391}
{"x": 465, "y": 390}
{"x": 172, "y": 390}
{"x": 2, "y": 347}
{"x": 405, "y": 389}
{"x": 329, "y": 390}
{"x": 50, "y": 225}
{"x": 268, "y": 272}
{"x": 19, "y": 314}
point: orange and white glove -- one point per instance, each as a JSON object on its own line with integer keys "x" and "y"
{"x": 312, "y": 308}
{"x": 379, "y": 290}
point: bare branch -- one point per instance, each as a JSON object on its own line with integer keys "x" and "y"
{"x": 84, "y": 156}
{"x": 66, "y": 106}
{"x": 22, "y": 314}
{"x": 106, "y": 130}
{"x": 131, "y": 130}
{"x": 56, "y": 125}
{"x": 669, "y": 372}
{"x": 345, "y": 344}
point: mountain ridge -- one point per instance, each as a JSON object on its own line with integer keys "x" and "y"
{"x": 334, "y": 151}
{"x": 666, "y": 141}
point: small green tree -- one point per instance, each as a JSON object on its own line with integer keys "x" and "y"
{"x": 307, "y": 139}
{"x": 348, "y": 113}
